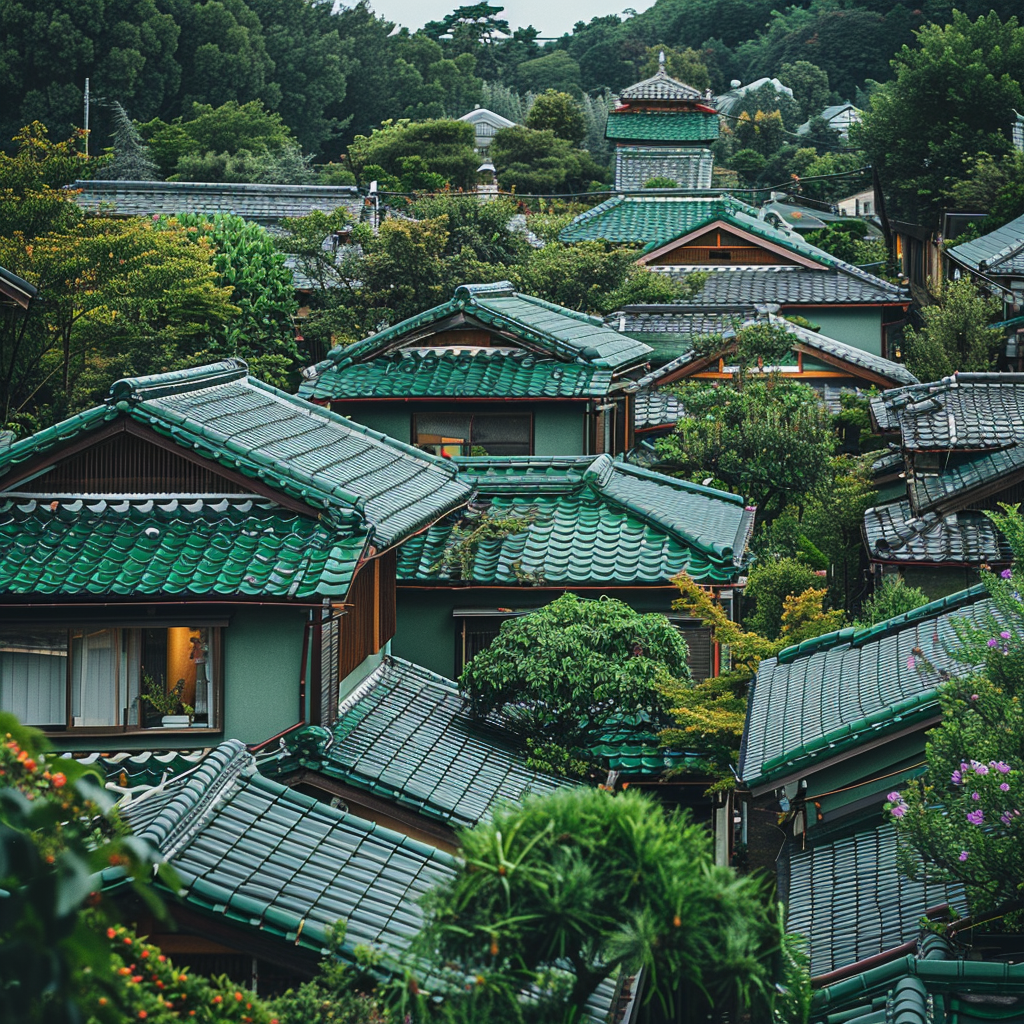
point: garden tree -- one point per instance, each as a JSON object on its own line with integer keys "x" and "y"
{"x": 917, "y": 131}
{"x": 809, "y": 84}
{"x": 555, "y": 70}
{"x": 684, "y": 65}
{"x": 248, "y": 261}
{"x": 224, "y": 131}
{"x": 711, "y": 714}
{"x": 443, "y": 148}
{"x": 995, "y": 186}
{"x": 504, "y": 100}
{"x": 122, "y": 299}
{"x": 126, "y": 47}
{"x": 964, "y": 817}
{"x": 956, "y": 333}
{"x": 764, "y": 436}
{"x": 313, "y": 63}
{"x": 566, "y": 674}
{"x": 559, "y": 113}
{"x": 131, "y": 155}
{"x": 481, "y": 18}
{"x": 892, "y": 597}
{"x": 429, "y": 84}
{"x": 539, "y": 163}
{"x": 849, "y": 241}
{"x": 838, "y": 174}
{"x": 768, "y": 586}
{"x": 749, "y": 165}
{"x": 833, "y": 517}
{"x": 763, "y": 132}
{"x": 595, "y": 112}
{"x": 604, "y": 882}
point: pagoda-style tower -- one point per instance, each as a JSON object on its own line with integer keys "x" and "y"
{"x": 662, "y": 129}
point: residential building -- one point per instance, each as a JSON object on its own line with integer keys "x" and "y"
{"x": 201, "y": 528}
{"x": 486, "y": 124}
{"x": 838, "y": 116}
{"x": 662, "y": 128}
{"x": 593, "y": 525}
{"x": 860, "y": 204}
{"x": 750, "y": 262}
{"x": 959, "y": 452}
{"x": 491, "y": 371}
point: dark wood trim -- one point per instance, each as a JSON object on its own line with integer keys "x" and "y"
{"x": 698, "y": 365}
{"x": 316, "y": 681}
{"x": 851, "y": 368}
{"x": 49, "y": 458}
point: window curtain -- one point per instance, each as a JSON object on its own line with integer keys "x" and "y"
{"x": 33, "y": 676}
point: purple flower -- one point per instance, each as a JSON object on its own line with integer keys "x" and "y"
{"x": 894, "y": 798}
{"x": 975, "y": 796}
{"x": 1001, "y": 766}
{"x": 957, "y": 778}
{"x": 1006, "y": 574}
{"x": 899, "y": 810}
{"x": 979, "y": 768}
{"x": 992, "y": 641}
{"x": 1006, "y": 818}
{"x": 1005, "y": 634}
{"x": 974, "y": 696}
{"x": 964, "y": 855}
{"x": 1004, "y": 786}
{"x": 974, "y": 817}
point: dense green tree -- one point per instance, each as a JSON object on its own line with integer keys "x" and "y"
{"x": 956, "y": 333}
{"x": 560, "y": 113}
{"x": 892, "y": 597}
{"x": 539, "y": 163}
{"x": 768, "y": 586}
{"x": 569, "y": 672}
{"x": 918, "y": 129}
{"x": 994, "y": 186}
{"x": 809, "y": 84}
{"x": 444, "y": 148}
{"x": 685, "y": 65}
{"x": 849, "y": 241}
{"x": 601, "y": 882}
{"x": 555, "y": 70}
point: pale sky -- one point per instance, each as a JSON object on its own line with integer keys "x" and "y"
{"x": 551, "y": 18}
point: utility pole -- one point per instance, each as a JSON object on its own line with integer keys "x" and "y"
{"x": 87, "y": 117}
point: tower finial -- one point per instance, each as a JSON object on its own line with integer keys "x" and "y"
{"x": 661, "y": 61}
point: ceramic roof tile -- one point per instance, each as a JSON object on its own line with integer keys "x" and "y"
{"x": 554, "y": 331}
{"x": 660, "y": 87}
{"x": 200, "y": 547}
{"x": 755, "y": 286}
{"x": 487, "y": 373}
{"x": 265, "y": 204}
{"x": 848, "y": 898}
{"x": 671, "y": 126}
{"x": 835, "y": 690}
{"x": 656, "y": 408}
{"x": 591, "y": 519}
{"x": 968, "y": 537}
{"x": 364, "y": 479}
{"x": 999, "y": 252}
{"x": 266, "y": 857}
{"x": 452, "y": 767}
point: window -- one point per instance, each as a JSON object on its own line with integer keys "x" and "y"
{"x": 96, "y": 677}
{"x": 482, "y": 433}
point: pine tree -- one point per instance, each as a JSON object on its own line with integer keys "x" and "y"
{"x": 131, "y": 155}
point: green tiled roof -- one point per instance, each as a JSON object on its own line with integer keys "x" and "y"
{"x": 170, "y": 546}
{"x": 653, "y": 220}
{"x": 362, "y": 480}
{"x": 847, "y": 897}
{"x": 485, "y": 373}
{"x": 148, "y": 768}
{"x": 406, "y": 735}
{"x": 591, "y": 520}
{"x": 266, "y": 857}
{"x": 674, "y": 126}
{"x": 833, "y": 692}
{"x": 999, "y": 252}
{"x": 542, "y": 327}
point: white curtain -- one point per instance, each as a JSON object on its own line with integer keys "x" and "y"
{"x": 94, "y": 663}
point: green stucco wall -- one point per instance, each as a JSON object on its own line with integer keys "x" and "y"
{"x": 558, "y": 427}
{"x": 861, "y": 328}
{"x": 940, "y": 581}
{"x": 426, "y": 625}
{"x": 262, "y": 664}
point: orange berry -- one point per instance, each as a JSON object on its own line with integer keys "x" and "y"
{"x": 58, "y": 780}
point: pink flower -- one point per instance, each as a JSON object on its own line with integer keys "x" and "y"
{"x": 974, "y": 696}
{"x": 976, "y": 817}
{"x": 894, "y": 798}
{"x": 964, "y": 855}
{"x": 899, "y": 810}
{"x": 1005, "y": 634}
{"x": 992, "y": 641}
{"x": 1001, "y": 766}
{"x": 1004, "y": 786}
{"x": 979, "y": 768}
{"x": 911, "y": 662}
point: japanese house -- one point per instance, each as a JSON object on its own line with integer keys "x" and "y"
{"x": 492, "y": 372}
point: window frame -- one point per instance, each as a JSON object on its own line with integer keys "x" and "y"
{"x": 467, "y": 445}
{"x": 215, "y": 661}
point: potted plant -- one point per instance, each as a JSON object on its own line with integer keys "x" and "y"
{"x": 168, "y": 703}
